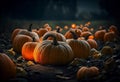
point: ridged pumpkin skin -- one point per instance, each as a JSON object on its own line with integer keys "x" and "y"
{"x": 28, "y": 49}
{"x": 15, "y": 32}
{"x": 109, "y": 36}
{"x": 81, "y": 48}
{"x": 99, "y": 35}
{"x": 92, "y": 43}
{"x": 19, "y": 41}
{"x": 59, "y": 36}
{"x": 87, "y": 72}
{"x": 7, "y": 68}
{"x": 53, "y": 52}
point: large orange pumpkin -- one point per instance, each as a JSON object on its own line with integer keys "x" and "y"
{"x": 7, "y": 68}
{"x": 87, "y": 72}
{"x": 53, "y": 52}
{"x": 28, "y": 49}
{"x": 81, "y": 48}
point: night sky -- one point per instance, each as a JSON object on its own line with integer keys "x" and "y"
{"x": 55, "y": 9}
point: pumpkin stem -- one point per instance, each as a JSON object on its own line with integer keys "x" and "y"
{"x": 54, "y": 38}
{"x": 30, "y": 27}
{"x": 58, "y": 30}
{"x": 74, "y": 35}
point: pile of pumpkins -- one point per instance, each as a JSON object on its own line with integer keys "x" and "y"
{"x": 50, "y": 47}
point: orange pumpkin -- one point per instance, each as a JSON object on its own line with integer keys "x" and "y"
{"x": 53, "y": 52}
{"x": 109, "y": 36}
{"x": 28, "y": 49}
{"x": 68, "y": 34}
{"x": 84, "y": 29}
{"x": 19, "y": 41}
{"x": 15, "y": 32}
{"x": 7, "y": 68}
{"x": 87, "y": 72}
{"x": 99, "y": 35}
{"x": 47, "y": 26}
{"x": 81, "y": 48}
{"x": 92, "y": 43}
{"x": 42, "y": 31}
{"x": 86, "y": 34}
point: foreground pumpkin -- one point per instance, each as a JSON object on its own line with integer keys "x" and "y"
{"x": 7, "y": 68}
{"x": 81, "y": 48}
{"x": 53, "y": 52}
{"x": 28, "y": 49}
{"x": 87, "y": 72}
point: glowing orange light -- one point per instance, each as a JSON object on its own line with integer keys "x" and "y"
{"x": 73, "y": 26}
{"x": 91, "y": 37}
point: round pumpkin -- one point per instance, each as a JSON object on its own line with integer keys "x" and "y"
{"x": 42, "y": 31}
{"x": 114, "y": 29}
{"x": 7, "y": 68}
{"x": 15, "y": 32}
{"x": 99, "y": 35}
{"x": 109, "y": 36}
{"x": 87, "y": 72}
{"x": 53, "y": 52}
{"x": 81, "y": 48}
{"x": 86, "y": 34}
{"x": 28, "y": 49}
{"x": 19, "y": 41}
{"x": 47, "y": 26}
{"x": 68, "y": 34}
{"x": 107, "y": 50}
{"x": 92, "y": 43}
{"x": 84, "y": 29}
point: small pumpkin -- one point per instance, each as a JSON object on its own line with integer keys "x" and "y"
{"x": 107, "y": 50}
{"x": 47, "y": 26}
{"x": 28, "y": 49}
{"x": 114, "y": 29}
{"x": 81, "y": 48}
{"x": 99, "y": 35}
{"x": 84, "y": 29}
{"x": 92, "y": 43}
{"x": 87, "y": 72}
{"x": 53, "y": 52}
{"x": 86, "y": 34}
{"x": 68, "y": 34}
{"x": 109, "y": 36}
{"x": 7, "y": 68}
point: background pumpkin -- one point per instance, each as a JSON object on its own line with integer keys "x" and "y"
{"x": 92, "y": 43}
{"x": 53, "y": 52}
{"x": 7, "y": 68}
{"x": 87, "y": 72}
{"x": 99, "y": 35}
{"x": 109, "y": 36}
{"x": 28, "y": 49}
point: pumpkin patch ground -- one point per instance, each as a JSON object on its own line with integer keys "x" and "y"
{"x": 24, "y": 59}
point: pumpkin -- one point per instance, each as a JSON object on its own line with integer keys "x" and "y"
{"x": 114, "y": 29}
{"x": 15, "y": 32}
{"x": 7, "y": 68}
{"x": 99, "y": 35}
{"x": 28, "y": 49}
{"x": 107, "y": 50}
{"x": 42, "y": 31}
{"x": 92, "y": 43}
{"x": 19, "y": 41}
{"x": 73, "y": 26}
{"x": 91, "y": 37}
{"x": 87, "y": 72}
{"x": 68, "y": 34}
{"x": 109, "y": 36}
{"x": 53, "y": 52}
{"x": 30, "y": 33}
{"x": 86, "y": 34}
{"x": 81, "y": 48}
{"x": 47, "y": 26}
{"x": 84, "y": 29}
{"x": 59, "y": 36}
